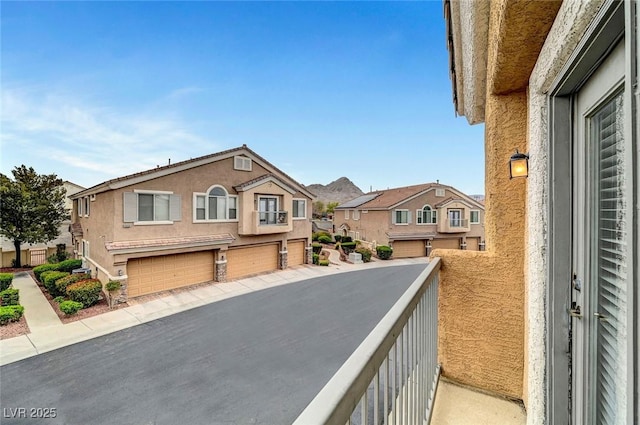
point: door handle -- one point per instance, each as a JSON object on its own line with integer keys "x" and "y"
{"x": 575, "y": 312}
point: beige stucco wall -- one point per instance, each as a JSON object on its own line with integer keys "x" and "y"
{"x": 482, "y": 293}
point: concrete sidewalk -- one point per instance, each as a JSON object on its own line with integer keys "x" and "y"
{"x": 49, "y": 333}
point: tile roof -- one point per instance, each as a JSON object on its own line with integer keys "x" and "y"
{"x": 169, "y": 243}
{"x": 399, "y": 236}
{"x": 76, "y": 229}
{"x": 390, "y": 197}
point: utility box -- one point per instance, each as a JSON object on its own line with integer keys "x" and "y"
{"x": 355, "y": 258}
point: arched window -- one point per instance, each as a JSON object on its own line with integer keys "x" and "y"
{"x": 426, "y": 215}
{"x": 216, "y": 204}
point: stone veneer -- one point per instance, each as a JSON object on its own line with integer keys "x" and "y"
{"x": 284, "y": 259}
{"x": 221, "y": 271}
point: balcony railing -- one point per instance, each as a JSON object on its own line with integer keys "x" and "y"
{"x": 273, "y": 218}
{"x": 458, "y": 222}
{"x": 393, "y": 375}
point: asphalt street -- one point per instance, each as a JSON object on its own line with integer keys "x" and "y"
{"x": 255, "y": 359}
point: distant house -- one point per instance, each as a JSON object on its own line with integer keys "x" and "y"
{"x": 218, "y": 217}
{"x": 36, "y": 254}
{"x": 414, "y": 219}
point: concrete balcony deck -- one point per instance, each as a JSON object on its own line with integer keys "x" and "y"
{"x": 457, "y": 405}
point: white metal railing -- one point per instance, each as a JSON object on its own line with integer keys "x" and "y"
{"x": 393, "y": 375}
{"x": 273, "y": 217}
{"x": 458, "y": 222}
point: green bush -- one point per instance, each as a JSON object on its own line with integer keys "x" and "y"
{"x": 70, "y": 307}
{"x": 348, "y": 247}
{"x": 338, "y": 238}
{"x": 86, "y": 292}
{"x": 62, "y": 283}
{"x": 324, "y": 239}
{"x": 38, "y": 270}
{"x": 317, "y": 235}
{"x": 317, "y": 248}
{"x": 10, "y": 313}
{"x": 5, "y": 280}
{"x": 384, "y": 252}
{"x": 10, "y": 297}
{"x": 366, "y": 254}
{"x": 113, "y": 285}
{"x": 49, "y": 281}
{"x": 58, "y": 299}
{"x": 347, "y": 239}
{"x": 69, "y": 265}
{"x": 323, "y": 262}
{"x": 316, "y": 258}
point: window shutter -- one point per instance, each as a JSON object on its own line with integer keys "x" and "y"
{"x": 393, "y": 217}
{"x": 130, "y": 207}
{"x": 175, "y": 208}
{"x": 409, "y": 217}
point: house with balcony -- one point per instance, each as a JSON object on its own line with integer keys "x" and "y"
{"x": 209, "y": 219}
{"x": 547, "y": 316}
{"x": 414, "y": 219}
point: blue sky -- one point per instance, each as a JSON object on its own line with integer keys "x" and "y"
{"x": 96, "y": 90}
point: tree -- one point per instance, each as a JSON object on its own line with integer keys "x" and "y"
{"x": 318, "y": 208}
{"x": 331, "y": 206}
{"x": 31, "y": 208}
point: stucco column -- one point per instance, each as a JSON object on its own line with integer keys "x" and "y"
{"x": 481, "y": 304}
{"x": 284, "y": 259}
{"x": 308, "y": 250}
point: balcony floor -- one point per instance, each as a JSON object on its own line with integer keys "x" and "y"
{"x": 456, "y": 405}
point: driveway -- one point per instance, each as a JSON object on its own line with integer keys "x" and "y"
{"x": 255, "y": 359}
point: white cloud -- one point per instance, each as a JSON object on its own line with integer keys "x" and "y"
{"x": 61, "y": 128}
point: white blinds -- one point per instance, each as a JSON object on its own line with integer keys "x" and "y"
{"x": 611, "y": 260}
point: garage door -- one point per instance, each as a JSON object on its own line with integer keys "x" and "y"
{"x": 445, "y": 243}
{"x": 155, "y": 274}
{"x": 296, "y": 253}
{"x": 407, "y": 249}
{"x": 247, "y": 261}
{"x": 472, "y": 244}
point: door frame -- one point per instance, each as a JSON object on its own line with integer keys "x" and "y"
{"x": 602, "y": 35}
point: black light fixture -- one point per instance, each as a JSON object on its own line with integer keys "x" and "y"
{"x": 518, "y": 165}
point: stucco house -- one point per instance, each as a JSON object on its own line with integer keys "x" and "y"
{"x": 213, "y": 218}
{"x": 414, "y": 219}
{"x": 549, "y": 313}
{"x": 36, "y": 254}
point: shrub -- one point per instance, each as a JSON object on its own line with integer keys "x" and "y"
{"x": 38, "y": 270}
{"x": 62, "y": 283}
{"x": 316, "y": 258}
{"x": 49, "y": 281}
{"x": 10, "y": 297}
{"x": 69, "y": 265}
{"x": 323, "y": 262}
{"x": 324, "y": 239}
{"x": 86, "y": 292}
{"x": 113, "y": 285}
{"x": 58, "y": 299}
{"x": 338, "y": 238}
{"x": 347, "y": 239}
{"x": 366, "y": 254}
{"x": 10, "y": 313}
{"x": 70, "y": 307}
{"x": 384, "y": 252}
{"x": 317, "y": 248}
{"x": 5, "y": 280}
{"x": 348, "y": 247}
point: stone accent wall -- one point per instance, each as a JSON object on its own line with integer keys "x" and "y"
{"x": 308, "y": 255}
{"x": 284, "y": 259}
{"x": 221, "y": 271}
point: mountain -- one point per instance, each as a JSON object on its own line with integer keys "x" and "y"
{"x": 341, "y": 190}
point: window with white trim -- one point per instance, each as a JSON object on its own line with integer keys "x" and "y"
{"x": 440, "y": 193}
{"x": 86, "y": 206}
{"x": 79, "y": 205}
{"x": 356, "y": 214}
{"x": 346, "y": 214}
{"x": 85, "y": 248}
{"x": 474, "y": 217}
{"x": 152, "y": 207}
{"x": 215, "y": 205}
{"x": 401, "y": 217}
{"x": 299, "y": 208}
{"x": 241, "y": 163}
{"x": 426, "y": 215}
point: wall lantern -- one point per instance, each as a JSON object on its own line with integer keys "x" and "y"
{"x": 518, "y": 165}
